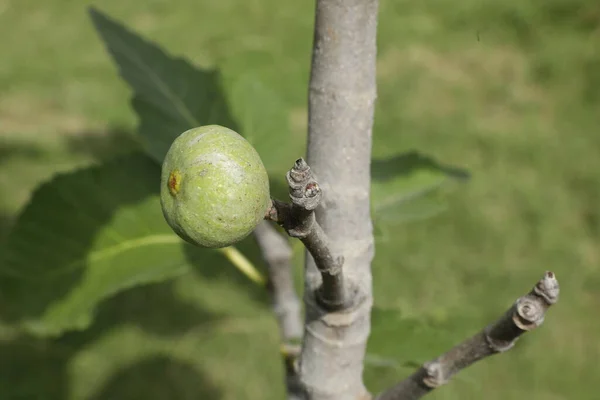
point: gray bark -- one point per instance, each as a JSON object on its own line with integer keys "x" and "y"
{"x": 298, "y": 219}
{"x": 526, "y": 314}
{"x": 277, "y": 254}
{"x": 338, "y": 233}
{"x": 341, "y": 106}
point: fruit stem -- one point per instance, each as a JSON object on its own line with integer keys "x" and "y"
{"x": 243, "y": 265}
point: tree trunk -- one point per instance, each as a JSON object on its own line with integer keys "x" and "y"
{"x": 341, "y": 106}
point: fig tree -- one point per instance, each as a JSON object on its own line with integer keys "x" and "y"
{"x": 214, "y": 187}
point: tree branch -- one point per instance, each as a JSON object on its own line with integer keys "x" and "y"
{"x": 526, "y": 314}
{"x": 277, "y": 254}
{"x": 298, "y": 219}
{"x": 340, "y": 118}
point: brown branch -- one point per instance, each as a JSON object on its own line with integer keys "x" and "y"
{"x": 526, "y": 314}
{"x": 277, "y": 254}
{"x": 298, "y": 220}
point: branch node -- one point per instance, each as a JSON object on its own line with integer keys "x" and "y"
{"x": 434, "y": 374}
{"x": 523, "y": 316}
{"x": 529, "y": 314}
{"x": 323, "y": 300}
{"x": 272, "y": 213}
{"x": 302, "y": 224}
{"x": 304, "y": 190}
{"x": 299, "y": 221}
{"x": 499, "y": 345}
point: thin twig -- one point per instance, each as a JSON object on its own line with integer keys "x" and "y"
{"x": 298, "y": 219}
{"x": 277, "y": 254}
{"x": 526, "y": 314}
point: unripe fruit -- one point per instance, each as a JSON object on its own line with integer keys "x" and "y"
{"x": 214, "y": 187}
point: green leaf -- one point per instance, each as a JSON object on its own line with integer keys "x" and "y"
{"x": 407, "y": 187}
{"x": 263, "y": 118}
{"x": 170, "y": 95}
{"x": 84, "y": 236}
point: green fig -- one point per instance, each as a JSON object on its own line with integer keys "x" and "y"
{"x": 214, "y": 187}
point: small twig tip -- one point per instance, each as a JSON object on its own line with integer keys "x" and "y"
{"x": 548, "y": 287}
{"x": 300, "y": 164}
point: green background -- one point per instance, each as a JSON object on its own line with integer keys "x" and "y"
{"x": 508, "y": 90}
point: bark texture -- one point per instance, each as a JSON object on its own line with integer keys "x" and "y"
{"x": 341, "y": 106}
{"x": 277, "y": 255}
{"x": 298, "y": 219}
{"x": 526, "y": 314}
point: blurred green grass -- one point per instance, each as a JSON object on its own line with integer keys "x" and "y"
{"x": 509, "y": 90}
